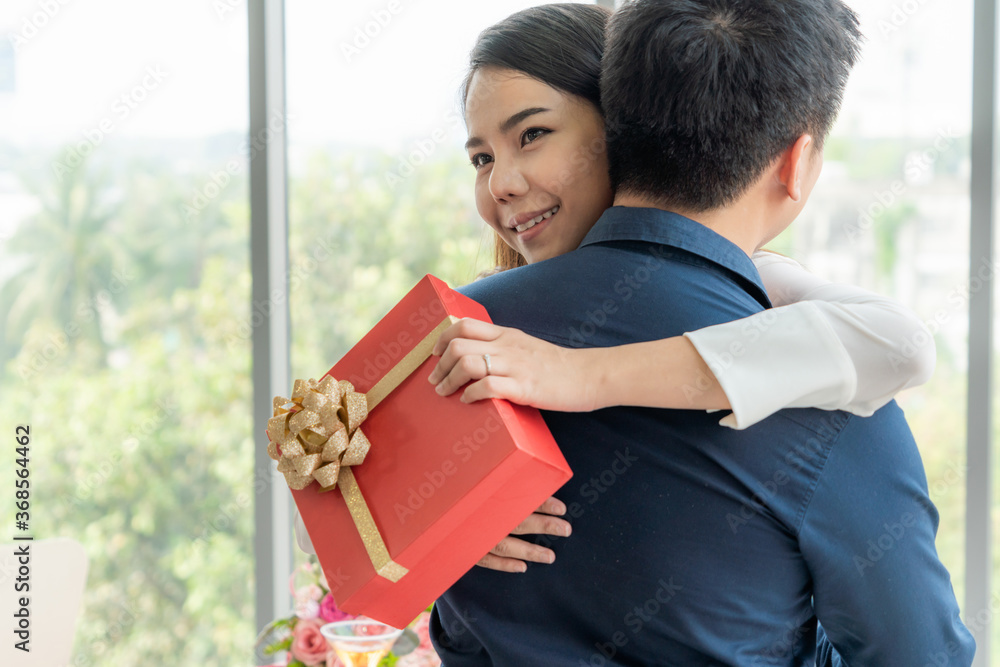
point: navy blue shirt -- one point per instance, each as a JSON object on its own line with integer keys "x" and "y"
{"x": 695, "y": 544}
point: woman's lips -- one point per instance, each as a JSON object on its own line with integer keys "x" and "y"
{"x": 533, "y": 229}
{"x": 520, "y": 229}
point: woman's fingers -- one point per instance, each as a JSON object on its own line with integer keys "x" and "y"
{"x": 522, "y": 369}
{"x": 492, "y": 387}
{"x": 463, "y": 362}
{"x": 466, "y": 328}
{"x": 462, "y": 348}
{"x": 459, "y": 350}
{"x": 464, "y": 338}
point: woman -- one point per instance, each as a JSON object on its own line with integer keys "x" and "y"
{"x": 532, "y": 106}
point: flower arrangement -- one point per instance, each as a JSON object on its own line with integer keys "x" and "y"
{"x": 299, "y": 635}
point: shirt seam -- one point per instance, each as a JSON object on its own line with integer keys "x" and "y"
{"x": 807, "y": 501}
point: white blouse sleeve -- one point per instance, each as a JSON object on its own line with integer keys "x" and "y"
{"x": 823, "y": 345}
{"x": 302, "y": 537}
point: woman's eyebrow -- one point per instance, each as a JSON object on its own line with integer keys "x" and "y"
{"x": 508, "y": 124}
{"x": 512, "y": 122}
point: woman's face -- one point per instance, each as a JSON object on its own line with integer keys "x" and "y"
{"x": 541, "y": 167}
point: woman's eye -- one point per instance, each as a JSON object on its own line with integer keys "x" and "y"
{"x": 481, "y": 160}
{"x": 531, "y": 134}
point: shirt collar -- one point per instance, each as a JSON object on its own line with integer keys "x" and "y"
{"x": 651, "y": 225}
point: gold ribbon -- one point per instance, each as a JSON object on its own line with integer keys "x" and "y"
{"x": 316, "y": 436}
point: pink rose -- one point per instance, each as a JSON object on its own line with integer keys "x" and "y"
{"x": 422, "y": 627}
{"x": 310, "y": 592}
{"x": 307, "y": 610}
{"x": 329, "y": 612}
{"x": 420, "y": 658}
{"x": 308, "y": 643}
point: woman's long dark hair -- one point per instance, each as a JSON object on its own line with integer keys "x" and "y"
{"x": 560, "y": 45}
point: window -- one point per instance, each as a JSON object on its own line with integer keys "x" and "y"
{"x": 124, "y": 287}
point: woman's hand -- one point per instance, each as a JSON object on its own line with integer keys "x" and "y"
{"x": 510, "y": 555}
{"x": 523, "y": 369}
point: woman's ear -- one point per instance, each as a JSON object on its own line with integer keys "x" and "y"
{"x": 794, "y": 166}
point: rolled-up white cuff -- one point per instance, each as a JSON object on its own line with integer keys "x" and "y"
{"x": 776, "y": 359}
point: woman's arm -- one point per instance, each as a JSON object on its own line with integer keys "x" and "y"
{"x": 666, "y": 373}
{"x": 830, "y": 346}
{"x": 838, "y": 347}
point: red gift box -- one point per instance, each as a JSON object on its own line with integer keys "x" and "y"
{"x": 444, "y": 481}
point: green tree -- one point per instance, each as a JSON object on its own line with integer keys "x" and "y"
{"x": 143, "y": 447}
{"x": 65, "y": 256}
{"x": 358, "y": 244}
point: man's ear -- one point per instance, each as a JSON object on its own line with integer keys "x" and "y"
{"x": 794, "y": 166}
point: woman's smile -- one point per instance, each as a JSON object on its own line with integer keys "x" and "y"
{"x": 531, "y": 147}
{"x": 523, "y": 222}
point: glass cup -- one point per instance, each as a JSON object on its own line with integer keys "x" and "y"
{"x": 360, "y": 642}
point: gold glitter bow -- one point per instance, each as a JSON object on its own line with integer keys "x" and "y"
{"x": 315, "y": 436}
{"x": 319, "y": 433}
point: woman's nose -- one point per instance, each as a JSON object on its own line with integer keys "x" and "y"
{"x": 507, "y": 181}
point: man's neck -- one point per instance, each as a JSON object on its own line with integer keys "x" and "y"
{"x": 742, "y": 223}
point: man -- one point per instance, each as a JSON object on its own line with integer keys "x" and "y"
{"x": 695, "y": 544}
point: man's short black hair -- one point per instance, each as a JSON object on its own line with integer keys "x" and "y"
{"x": 701, "y": 96}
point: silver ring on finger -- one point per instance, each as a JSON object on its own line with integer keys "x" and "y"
{"x": 489, "y": 366}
